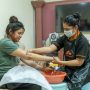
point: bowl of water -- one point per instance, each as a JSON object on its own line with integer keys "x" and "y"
{"x": 53, "y": 76}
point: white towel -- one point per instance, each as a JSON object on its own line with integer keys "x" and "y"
{"x": 25, "y": 74}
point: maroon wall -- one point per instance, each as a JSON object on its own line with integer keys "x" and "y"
{"x": 48, "y": 20}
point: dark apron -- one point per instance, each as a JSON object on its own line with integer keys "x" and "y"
{"x": 76, "y": 77}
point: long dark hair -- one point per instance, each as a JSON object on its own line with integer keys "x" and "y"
{"x": 73, "y": 20}
{"x": 14, "y": 25}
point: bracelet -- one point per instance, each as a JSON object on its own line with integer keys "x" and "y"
{"x": 54, "y": 58}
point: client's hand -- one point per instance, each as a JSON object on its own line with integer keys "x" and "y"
{"x": 48, "y": 69}
{"x": 44, "y": 67}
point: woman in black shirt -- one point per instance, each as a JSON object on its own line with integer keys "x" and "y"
{"x": 76, "y": 52}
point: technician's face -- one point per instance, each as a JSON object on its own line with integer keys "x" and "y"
{"x": 69, "y": 30}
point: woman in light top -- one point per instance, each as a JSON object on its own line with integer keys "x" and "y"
{"x": 9, "y": 49}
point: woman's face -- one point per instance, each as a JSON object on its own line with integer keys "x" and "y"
{"x": 69, "y": 30}
{"x": 16, "y": 36}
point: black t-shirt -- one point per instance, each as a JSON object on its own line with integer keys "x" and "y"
{"x": 78, "y": 48}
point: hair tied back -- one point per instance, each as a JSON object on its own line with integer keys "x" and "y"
{"x": 76, "y": 15}
{"x": 13, "y": 19}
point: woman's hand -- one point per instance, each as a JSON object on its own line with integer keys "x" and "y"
{"x": 43, "y": 67}
{"x": 48, "y": 69}
{"x": 56, "y": 60}
{"x": 31, "y": 51}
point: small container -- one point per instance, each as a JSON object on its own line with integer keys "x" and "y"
{"x": 53, "y": 65}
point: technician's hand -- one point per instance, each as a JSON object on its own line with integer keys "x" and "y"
{"x": 57, "y": 61}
